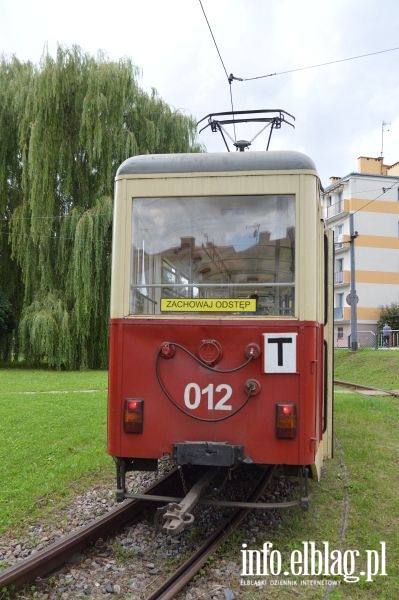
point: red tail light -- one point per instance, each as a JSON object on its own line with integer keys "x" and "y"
{"x": 286, "y": 421}
{"x": 133, "y": 415}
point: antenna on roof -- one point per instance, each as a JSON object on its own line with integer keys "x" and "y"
{"x": 384, "y": 126}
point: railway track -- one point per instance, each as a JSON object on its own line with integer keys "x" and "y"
{"x": 366, "y": 388}
{"x": 179, "y": 579}
{"x": 57, "y": 554}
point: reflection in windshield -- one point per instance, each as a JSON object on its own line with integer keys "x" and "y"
{"x": 214, "y": 247}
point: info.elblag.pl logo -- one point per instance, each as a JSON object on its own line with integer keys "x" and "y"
{"x": 309, "y": 561}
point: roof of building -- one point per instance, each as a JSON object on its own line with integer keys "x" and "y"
{"x": 340, "y": 180}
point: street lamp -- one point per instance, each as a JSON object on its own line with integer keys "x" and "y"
{"x": 352, "y": 298}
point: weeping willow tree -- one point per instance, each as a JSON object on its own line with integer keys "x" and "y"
{"x": 67, "y": 125}
{"x": 15, "y": 79}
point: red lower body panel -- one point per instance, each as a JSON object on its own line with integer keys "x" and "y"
{"x": 254, "y": 365}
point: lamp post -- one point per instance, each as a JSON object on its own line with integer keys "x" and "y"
{"x": 352, "y": 295}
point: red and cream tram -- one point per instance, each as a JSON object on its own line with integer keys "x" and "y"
{"x": 220, "y": 322}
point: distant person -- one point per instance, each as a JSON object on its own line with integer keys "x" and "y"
{"x": 256, "y": 297}
{"x": 386, "y": 334}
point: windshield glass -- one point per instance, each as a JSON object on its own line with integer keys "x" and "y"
{"x": 220, "y": 254}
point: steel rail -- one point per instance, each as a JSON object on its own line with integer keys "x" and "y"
{"x": 179, "y": 578}
{"x": 365, "y": 388}
{"x": 57, "y": 554}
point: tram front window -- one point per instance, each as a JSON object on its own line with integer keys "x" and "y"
{"x": 207, "y": 255}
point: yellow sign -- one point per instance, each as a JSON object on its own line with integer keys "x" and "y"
{"x": 208, "y": 305}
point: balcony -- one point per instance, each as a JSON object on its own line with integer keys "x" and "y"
{"x": 335, "y": 209}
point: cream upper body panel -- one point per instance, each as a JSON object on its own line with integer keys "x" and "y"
{"x": 222, "y": 174}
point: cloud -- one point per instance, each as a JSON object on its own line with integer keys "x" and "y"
{"x": 338, "y": 108}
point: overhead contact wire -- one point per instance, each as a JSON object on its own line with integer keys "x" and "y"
{"x": 229, "y": 77}
{"x": 325, "y": 64}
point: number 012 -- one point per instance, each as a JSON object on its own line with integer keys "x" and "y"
{"x": 193, "y": 395}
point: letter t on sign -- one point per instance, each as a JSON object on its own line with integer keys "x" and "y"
{"x": 279, "y": 352}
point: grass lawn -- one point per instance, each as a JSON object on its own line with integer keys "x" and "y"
{"x": 24, "y": 380}
{"x": 377, "y": 368}
{"x": 50, "y": 440}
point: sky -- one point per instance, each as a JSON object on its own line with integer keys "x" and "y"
{"x": 342, "y": 110}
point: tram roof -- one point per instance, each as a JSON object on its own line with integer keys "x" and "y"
{"x": 274, "y": 160}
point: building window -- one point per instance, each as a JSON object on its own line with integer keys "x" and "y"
{"x": 339, "y": 306}
{"x": 338, "y": 204}
{"x": 340, "y": 333}
{"x": 339, "y": 272}
{"x": 338, "y": 236}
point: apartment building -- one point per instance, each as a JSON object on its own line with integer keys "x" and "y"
{"x": 363, "y": 209}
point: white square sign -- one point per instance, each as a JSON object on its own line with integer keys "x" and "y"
{"x": 279, "y": 354}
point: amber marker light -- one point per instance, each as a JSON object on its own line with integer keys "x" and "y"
{"x": 286, "y": 421}
{"x": 133, "y": 415}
